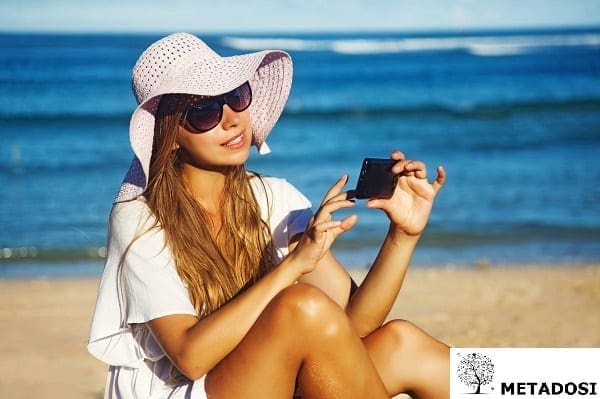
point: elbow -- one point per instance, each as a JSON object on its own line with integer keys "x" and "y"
{"x": 193, "y": 374}
{"x": 183, "y": 341}
{"x": 360, "y": 329}
{"x": 363, "y": 331}
{"x": 189, "y": 366}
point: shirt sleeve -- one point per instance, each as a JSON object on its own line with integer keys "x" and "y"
{"x": 139, "y": 283}
{"x": 151, "y": 285}
{"x": 299, "y": 210}
{"x": 286, "y": 209}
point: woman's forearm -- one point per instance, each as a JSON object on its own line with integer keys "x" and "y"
{"x": 201, "y": 344}
{"x": 372, "y": 302}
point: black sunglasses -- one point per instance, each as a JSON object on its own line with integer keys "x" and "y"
{"x": 207, "y": 114}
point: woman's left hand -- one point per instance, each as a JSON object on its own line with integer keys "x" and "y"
{"x": 409, "y": 207}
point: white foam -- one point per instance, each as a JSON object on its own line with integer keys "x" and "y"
{"x": 255, "y": 44}
{"x": 495, "y": 46}
{"x": 491, "y": 50}
{"x": 477, "y": 45}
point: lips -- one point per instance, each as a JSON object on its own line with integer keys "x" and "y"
{"x": 235, "y": 142}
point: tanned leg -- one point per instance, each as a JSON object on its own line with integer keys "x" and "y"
{"x": 410, "y": 361}
{"x": 301, "y": 336}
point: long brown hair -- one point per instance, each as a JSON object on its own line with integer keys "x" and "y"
{"x": 214, "y": 266}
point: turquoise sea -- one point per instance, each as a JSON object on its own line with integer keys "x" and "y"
{"x": 514, "y": 116}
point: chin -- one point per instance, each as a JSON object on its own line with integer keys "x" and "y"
{"x": 239, "y": 158}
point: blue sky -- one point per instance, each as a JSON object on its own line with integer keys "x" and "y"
{"x": 290, "y": 15}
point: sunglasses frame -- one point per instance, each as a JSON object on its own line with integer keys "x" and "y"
{"x": 219, "y": 100}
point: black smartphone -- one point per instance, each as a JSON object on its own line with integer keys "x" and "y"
{"x": 376, "y": 179}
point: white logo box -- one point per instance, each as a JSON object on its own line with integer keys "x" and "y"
{"x": 524, "y": 373}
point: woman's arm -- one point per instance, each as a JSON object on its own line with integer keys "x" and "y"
{"x": 372, "y": 302}
{"x": 196, "y": 346}
{"x": 331, "y": 278}
{"x": 408, "y": 211}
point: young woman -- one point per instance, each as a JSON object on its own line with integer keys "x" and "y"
{"x": 219, "y": 283}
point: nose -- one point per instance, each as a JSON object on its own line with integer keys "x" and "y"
{"x": 230, "y": 117}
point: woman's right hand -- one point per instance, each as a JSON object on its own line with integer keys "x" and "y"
{"x": 322, "y": 230}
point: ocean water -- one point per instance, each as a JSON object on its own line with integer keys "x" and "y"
{"x": 514, "y": 116}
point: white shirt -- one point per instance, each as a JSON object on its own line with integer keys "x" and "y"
{"x": 146, "y": 286}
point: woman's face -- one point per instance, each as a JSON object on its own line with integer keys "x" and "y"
{"x": 227, "y": 144}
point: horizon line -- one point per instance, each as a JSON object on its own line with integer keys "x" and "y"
{"x": 530, "y": 28}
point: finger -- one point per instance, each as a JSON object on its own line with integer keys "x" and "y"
{"x": 416, "y": 168}
{"x": 333, "y": 206}
{"x": 403, "y": 182}
{"x": 323, "y": 227}
{"x": 399, "y": 166}
{"x": 343, "y": 226}
{"x": 348, "y": 222}
{"x": 440, "y": 180}
{"x": 419, "y": 186}
{"x": 325, "y": 211}
{"x": 375, "y": 203}
{"x": 343, "y": 196}
{"x": 397, "y": 155}
{"x": 335, "y": 189}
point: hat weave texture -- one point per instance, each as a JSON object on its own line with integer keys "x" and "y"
{"x": 182, "y": 63}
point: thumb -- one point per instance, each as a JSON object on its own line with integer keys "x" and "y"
{"x": 375, "y": 203}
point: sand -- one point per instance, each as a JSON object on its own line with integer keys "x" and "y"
{"x": 44, "y": 322}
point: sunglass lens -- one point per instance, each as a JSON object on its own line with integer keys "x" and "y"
{"x": 240, "y": 98}
{"x": 204, "y": 117}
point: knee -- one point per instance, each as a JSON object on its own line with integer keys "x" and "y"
{"x": 414, "y": 343}
{"x": 402, "y": 333}
{"x": 418, "y": 361}
{"x": 304, "y": 307}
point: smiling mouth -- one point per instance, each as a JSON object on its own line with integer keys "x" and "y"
{"x": 235, "y": 141}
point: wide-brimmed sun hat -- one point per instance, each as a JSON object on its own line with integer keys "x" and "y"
{"x": 182, "y": 63}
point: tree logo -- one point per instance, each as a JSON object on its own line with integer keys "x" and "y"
{"x": 475, "y": 370}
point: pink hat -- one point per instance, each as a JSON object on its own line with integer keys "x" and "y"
{"x": 182, "y": 63}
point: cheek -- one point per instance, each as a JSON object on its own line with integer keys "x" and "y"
{"x": 246, "y": 116}
{"x": 194, "y": 146}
